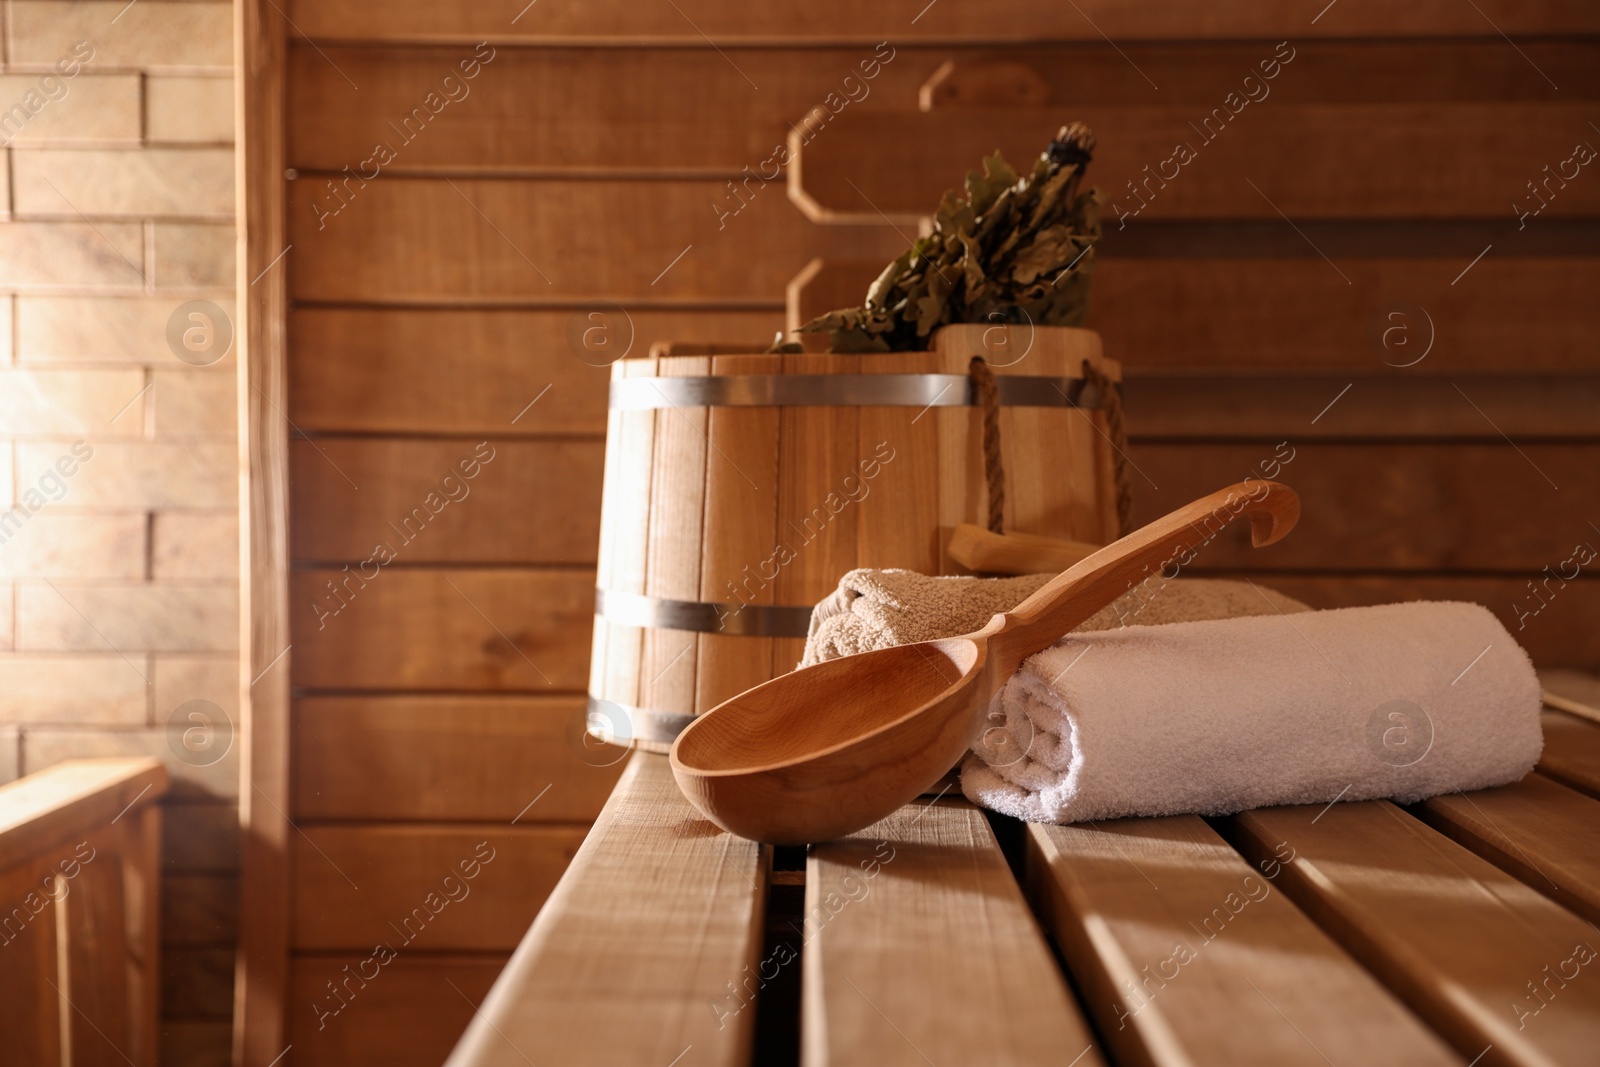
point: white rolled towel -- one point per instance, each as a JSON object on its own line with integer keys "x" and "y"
{"x": 1403, "y": 701}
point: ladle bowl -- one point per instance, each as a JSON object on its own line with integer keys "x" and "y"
{"x": 825, "y": 751}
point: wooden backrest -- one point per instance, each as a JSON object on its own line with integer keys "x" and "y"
{"x": 79, "y": 871}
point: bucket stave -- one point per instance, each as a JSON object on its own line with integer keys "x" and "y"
{"x": 739, "y": 487}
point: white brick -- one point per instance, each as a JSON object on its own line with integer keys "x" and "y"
{"x": 127, "y": 329}
{"x": 195, "y": 109}
{"x": 137, "y": 182}
{"x": 172, "y": 617}
{"x": 89, "y": 107}
{"x": 193, "y": 255}
{"x": 146, "y": 34}
{"x": 203, "y": 402}
{"x": 195, "y": 545}
{"x": 77, "y": 689}
{"x": 76, "y": 402}
{"x": 40, "y": 255}
{"x": 53, "y": 545}
{"x": 192, "y": 474}
{"x": 45, "y": 746}
{"x": 179, "y": 679}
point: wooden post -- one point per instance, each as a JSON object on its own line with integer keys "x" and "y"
{"x": 262, "y": 969}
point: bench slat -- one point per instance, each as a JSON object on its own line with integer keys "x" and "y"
{"x": 1186, "y": 954}
{"x": 657, "y": 914}
{"x": 1571, "y": 751}
{"x": 1482, "y": 957}
{"x": 1541, "y": 831}
{"x": 918, "y": 946}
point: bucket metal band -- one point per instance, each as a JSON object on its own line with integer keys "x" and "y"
{"x": 846, "y": 390}
{"x": 700, "y": 616}
{"x": 642, "y": 724}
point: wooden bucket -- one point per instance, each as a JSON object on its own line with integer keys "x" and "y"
{"x": 740, "y": 487}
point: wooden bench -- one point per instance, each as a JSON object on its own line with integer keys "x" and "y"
{"x": 1461, "y": 930}
{"x": 80, "y": 846}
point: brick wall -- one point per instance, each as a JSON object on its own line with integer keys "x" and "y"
{"x": 119, "y": 558}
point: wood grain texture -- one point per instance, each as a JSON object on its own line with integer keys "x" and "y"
{"x": 679, "y": 508}
{"x": 1312, "y": 161}
{"x": 1571, "y": 752}
{"x": 1313, "y": 406}
{"x": 473, "y": 372}
{"x": 460, "y": 758}
{"x": 30, "y": 1010}
{"x": 41, "y": 811}
{"x": 1186, "y": 953}
{"x": 889, "y": 911}
{"x": 259, "y": 992}
{"x": 624, "y": 537}
{"x": 741, "y": 536}
{"x": 897, "y": 524}
{"x": 409, "y": 1015}
{"x": 494, "y": 242}
{"x": 1290, "y": 312}
{"x": 524, "y": 502}
{"x": 1400, "y": 897}
{"x": 1536, "y": 829}
{"x": 474, "y": 629}
{"x": 1376, "y": 506}
{"x": 549, "y": 110}
{"x": 1298, "y": 313}
{"x": 659, "y": 912}
{"x": 819, "y": 454}
{"x": 1010, "y": 20}
{"x": 427, "y": 887}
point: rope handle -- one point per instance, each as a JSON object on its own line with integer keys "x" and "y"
{"x": 988, "y": 391}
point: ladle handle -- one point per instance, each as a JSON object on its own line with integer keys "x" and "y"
{"x": 1169, "y": 543}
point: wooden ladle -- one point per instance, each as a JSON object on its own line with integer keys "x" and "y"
{"x": 825, "y": 751}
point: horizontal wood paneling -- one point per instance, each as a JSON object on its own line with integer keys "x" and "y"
{"x": 531, "y": 502}
{"x": 197, "y": 983}
{"x": 578, "y": 109}
{"x": 449, "y": 758}
{"x": 482, "y": 241}
{"x": 1388, "y": 161}
{"x": 1299, "y": 313}
{"x": 407, "y": 886}
{"x": 199, "y": 909}
{"x": 555, "y": 109}
{"x": 437, "y": 628}
{"x": 408, "y": 1016}
{"x": 1387, "y": 506}
{"x": 1167, "y": 311}
{"x": 457, "y": 371}
{"x": 1562, "y": 634}
{"x": 199, "y": 838}
{"x": 725, "y": 21}
{"x": 1360, "y": 405}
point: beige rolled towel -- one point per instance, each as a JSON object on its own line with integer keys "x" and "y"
{"x": 875, "y": 609}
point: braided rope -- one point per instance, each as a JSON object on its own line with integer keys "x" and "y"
{"x": 1111, "y": 404}
{"x": 993, "y": 467}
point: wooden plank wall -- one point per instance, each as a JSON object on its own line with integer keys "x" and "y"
{"x": 477, "y": 196}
